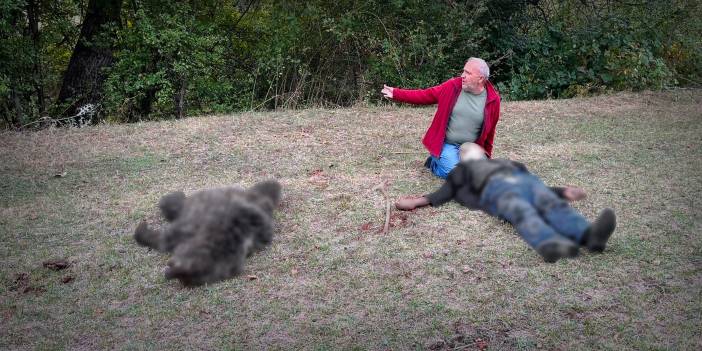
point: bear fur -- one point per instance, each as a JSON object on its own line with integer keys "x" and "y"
{"x": 211, "y": 232}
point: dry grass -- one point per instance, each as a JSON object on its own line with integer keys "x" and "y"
{"x": 442, "y": 278}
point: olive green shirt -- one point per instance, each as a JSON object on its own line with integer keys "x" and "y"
{"x": 467, "y": 117}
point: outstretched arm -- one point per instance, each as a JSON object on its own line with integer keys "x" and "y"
{"x": 415, "y": 96}
{"x": 444, "y": 194}
{"x": 454, "y": 183}
{"x": 410, "y": 203}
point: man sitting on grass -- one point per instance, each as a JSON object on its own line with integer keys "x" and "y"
{"x": 506, "y": 189}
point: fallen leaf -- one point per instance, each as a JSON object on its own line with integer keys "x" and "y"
{"x": 251, "y": 277}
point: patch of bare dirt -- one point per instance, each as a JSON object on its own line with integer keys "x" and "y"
{"x": 468, "y": 337}
{"x": 56, "y": 264}
{"x": 22, "y": 283}
{"x": 397, "y": 220}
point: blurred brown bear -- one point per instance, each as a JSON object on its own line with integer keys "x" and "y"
{"x": 211, "y": 232}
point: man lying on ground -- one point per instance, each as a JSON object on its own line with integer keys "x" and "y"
{"x": 506, "y": 189}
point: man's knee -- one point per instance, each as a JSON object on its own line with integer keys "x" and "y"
{"x": 443, "y": 167}
{"x": 512, "y": 206}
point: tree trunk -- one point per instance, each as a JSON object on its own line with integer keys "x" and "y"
{"x": 180, "y": 99}
{"x": 7, "y": 116}
{"x": 18, "y": 106}
{"x": 38, "y": 78}
{"x": 82, "y": 82}
{"x": 144, "y": 104}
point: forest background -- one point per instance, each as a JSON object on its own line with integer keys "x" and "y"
{"x": 87, "y": 61}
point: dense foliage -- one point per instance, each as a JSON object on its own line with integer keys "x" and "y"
{"x": 173, "y": 59}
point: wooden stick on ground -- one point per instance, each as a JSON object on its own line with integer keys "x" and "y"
{"x": 383, "y": 188}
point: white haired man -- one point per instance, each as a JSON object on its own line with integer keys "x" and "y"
{"x": 468, "y": 110}
{"x": 506, "y": 189}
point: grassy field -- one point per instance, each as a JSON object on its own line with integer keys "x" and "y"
{"x": 441, "y": 278}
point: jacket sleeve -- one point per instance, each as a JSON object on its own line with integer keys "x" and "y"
{"x": 465, "y": 194}
{"x": 419, "y": 96}
{"x": 447, "y": 191}
{"x": 491, "y": 134}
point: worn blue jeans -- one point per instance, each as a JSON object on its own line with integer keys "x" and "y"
{"x": 537, "y": 213}
{"x": 447, "y": 161}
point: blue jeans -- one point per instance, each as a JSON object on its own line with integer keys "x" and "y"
{"x": 447, "y": 161}
{"x": 537, "y": 213}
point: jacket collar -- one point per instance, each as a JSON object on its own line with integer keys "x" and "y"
{"x": 491, "y": 91}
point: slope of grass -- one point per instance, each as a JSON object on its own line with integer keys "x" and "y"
{"x": 442, "y": 278}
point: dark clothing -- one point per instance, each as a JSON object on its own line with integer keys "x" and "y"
{"x": 465, "y": 182}
{"x": 507, "y": 190}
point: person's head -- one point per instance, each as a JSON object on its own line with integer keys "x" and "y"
{"x": 475, "y": 73}
{"x": 471, "y": 152}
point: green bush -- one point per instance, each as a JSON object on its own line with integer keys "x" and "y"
{"x": 217, "y": 56}
{"x": 161, "y": 56}
{"x": 566, "y": 62}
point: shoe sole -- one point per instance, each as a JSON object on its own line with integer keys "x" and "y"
{"x": 553, "y": 251}
{"x": 603, "y": 228}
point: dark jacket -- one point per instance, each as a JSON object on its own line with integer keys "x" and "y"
{"x": 465, "y": 183}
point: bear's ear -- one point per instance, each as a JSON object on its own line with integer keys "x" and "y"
{"x": 171, "y": 205}
{"x": 269, "y": 189}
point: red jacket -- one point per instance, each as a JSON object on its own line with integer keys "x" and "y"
{"x": 446, "y": 96}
